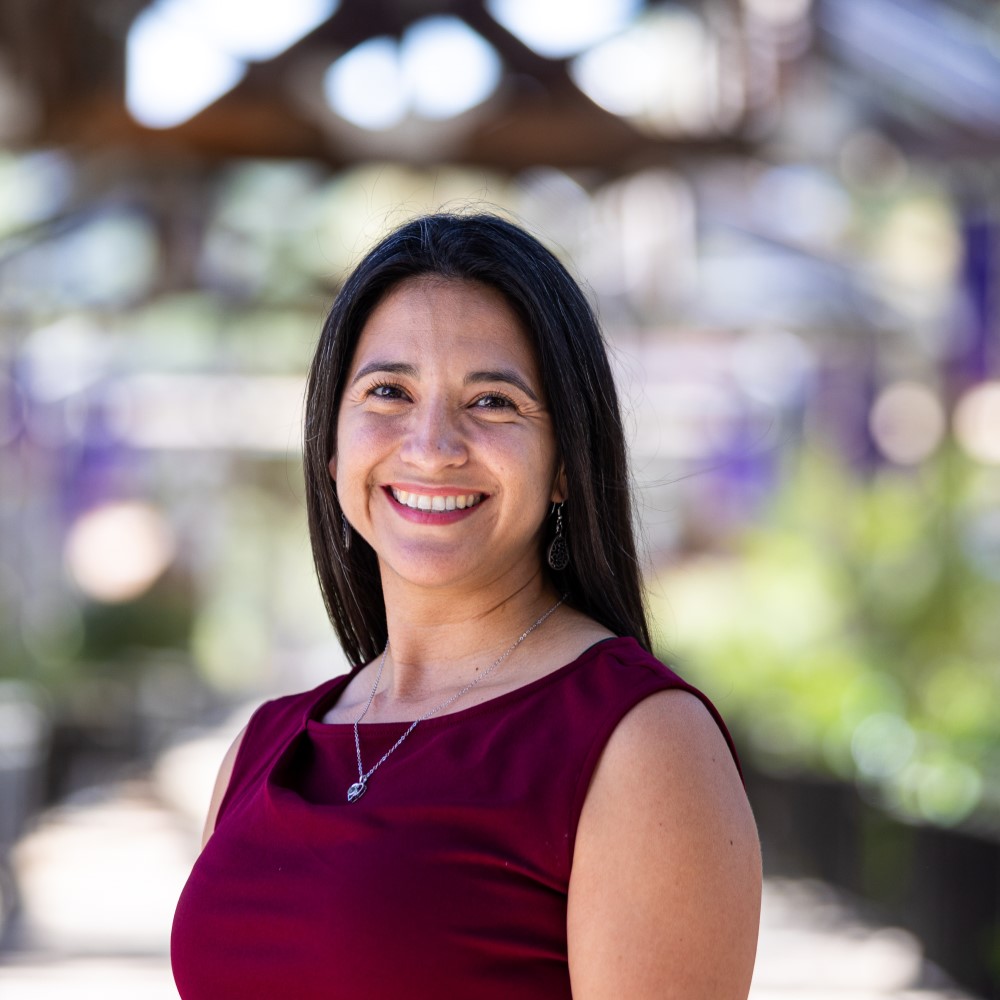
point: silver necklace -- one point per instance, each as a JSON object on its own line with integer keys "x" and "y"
{"x": 361, "y": 785}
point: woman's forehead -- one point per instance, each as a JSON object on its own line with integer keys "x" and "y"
{"x": 441, "y": 319}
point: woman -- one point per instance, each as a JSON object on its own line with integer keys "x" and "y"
{"x": 509, "y": 796}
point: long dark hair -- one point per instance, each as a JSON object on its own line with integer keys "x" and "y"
{"x": 602, "y": 579}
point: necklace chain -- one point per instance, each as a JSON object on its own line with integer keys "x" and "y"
{"x": 361, "y": 785}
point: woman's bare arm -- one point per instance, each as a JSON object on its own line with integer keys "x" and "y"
{"x": 221, "y": 784}
{"x": 664, "y": 897}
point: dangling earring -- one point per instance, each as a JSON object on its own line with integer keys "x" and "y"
{"x": 345, "y": 532}
{"x": 558, "y": 557}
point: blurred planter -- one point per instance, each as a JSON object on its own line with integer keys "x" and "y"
{"x": 941, "y": 884}
{"x": 95, "y": 733}
{"x": 113, "y": 718}
{"x": 24, "y": 745}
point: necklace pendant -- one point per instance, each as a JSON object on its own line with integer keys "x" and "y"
{"x": 357, "y": 790}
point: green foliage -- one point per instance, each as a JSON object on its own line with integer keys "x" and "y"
{"x": 856, "y": 631}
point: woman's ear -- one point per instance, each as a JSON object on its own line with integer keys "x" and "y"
{"x": 332, "y": 466}
{"x": 559, "y": 489}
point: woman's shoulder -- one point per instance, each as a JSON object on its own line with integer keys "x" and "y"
{"x": 579, "y": 639}
{"x": 628, "y": 654}
{"x": 674, "y": 703}
{"x": 667, "y": 862}
{"x": 621, "y": 673}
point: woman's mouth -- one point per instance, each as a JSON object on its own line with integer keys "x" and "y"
{"x": 435, "y": 504}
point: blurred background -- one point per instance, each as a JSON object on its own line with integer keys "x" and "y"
{"x": 788, "y": 213}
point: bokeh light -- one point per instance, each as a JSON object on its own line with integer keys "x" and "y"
{"x": 977, "y": 422}
{"x": 780, "y": 12}
{"x": 907, "y": 422}
{"x": 181, "y": 55}
{"x": 439, "y": 69}
{"x": 559, "y": 28}
{"x": 662, "y": 73}
{"x": 365, "y": 85}
{"x": 116, "y": 552}
{"x": 157, "y": 94}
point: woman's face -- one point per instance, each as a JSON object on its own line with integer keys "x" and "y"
{"x": 446, "y": 457}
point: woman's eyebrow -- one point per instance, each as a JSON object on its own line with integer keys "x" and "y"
{"x": 389, "y": 367}
{"x": 507, "y": 375}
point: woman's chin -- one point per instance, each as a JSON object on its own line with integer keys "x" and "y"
{"x": 437, "y": 570}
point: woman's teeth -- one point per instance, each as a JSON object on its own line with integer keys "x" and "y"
{"x": 419, "y": 501}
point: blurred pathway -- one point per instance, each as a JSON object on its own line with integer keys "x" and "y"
{"x": 100, "y": 877}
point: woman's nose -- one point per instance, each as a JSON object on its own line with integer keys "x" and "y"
{"x": 434, "y": 438}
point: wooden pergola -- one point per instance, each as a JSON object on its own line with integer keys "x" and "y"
{"x": 67, "y": 60}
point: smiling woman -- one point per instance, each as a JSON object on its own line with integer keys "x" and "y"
{"x": 509, "y": 795}
{"x": 444, "y": 404}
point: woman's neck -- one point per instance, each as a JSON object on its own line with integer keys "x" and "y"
{"x": 438, "y": 644}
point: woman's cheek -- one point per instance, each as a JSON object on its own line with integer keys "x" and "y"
{"x": 361, "y": 446}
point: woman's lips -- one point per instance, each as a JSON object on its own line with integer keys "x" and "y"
{"x": 442, "y": 506}
{"x": 437, "y": 502}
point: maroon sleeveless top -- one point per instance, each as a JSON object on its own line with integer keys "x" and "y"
{"x": 447, "y": 878}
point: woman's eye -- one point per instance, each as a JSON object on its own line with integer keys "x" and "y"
{"x": 494, "y": 401}
{"x": 385, "y": 390}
